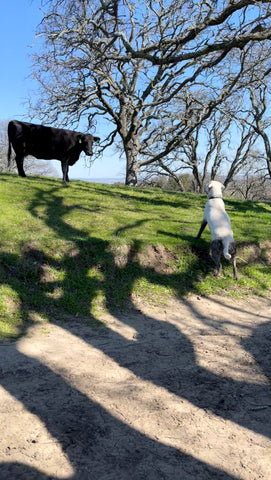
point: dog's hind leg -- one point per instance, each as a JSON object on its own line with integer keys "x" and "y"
{"x": 216, "y": 252}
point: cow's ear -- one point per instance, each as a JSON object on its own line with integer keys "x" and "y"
{"x": 96, "y": 139}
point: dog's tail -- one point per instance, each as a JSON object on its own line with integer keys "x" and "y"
{"x": 226, "y": 244}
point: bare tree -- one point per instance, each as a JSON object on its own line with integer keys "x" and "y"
{"x": 230, "y": 25}
{"x": 153, "y": 71}
{"x": 254, "y": 182}
{"x": 243, "y": 153}
{"x": 210, "y": 152}
{"x": 44, "y": 168}
{"x": 3, "y": 146}
{"x": 260, "y": 122}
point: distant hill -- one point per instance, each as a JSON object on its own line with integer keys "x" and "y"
{"x": 101, "y": 180}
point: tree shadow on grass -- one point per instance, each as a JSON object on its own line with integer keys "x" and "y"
{"x": 143, "y": 196}
{"x": 163, "y": 361}
{"x": 249, "y": 206}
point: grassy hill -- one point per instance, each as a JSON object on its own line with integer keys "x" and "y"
{"x": 77, "y": 249}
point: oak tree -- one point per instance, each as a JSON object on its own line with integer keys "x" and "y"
{"x": 149, "y": 72}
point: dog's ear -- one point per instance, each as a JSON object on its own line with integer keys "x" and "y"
{"x": 223, "y": 186}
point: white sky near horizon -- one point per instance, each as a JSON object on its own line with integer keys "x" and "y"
{"x": 18, "y": 22}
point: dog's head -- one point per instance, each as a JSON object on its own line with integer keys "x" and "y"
{"x": 214, "y": 189}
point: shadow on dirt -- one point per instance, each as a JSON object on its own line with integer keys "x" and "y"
{"x": 83, "y": 430}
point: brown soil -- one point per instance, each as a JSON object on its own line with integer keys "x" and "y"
{"x": 251, "y": 252}
{"x": 179, "y": 392}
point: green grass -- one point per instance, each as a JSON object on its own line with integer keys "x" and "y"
{"x": 76, "y": 250}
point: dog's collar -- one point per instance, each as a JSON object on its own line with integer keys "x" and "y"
{"x": 214, "y": 196}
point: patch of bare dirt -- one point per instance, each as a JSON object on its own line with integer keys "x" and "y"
{"x": 266, "y": 251}
{"x": 251, "y": 252}
{"x": 180, "y": 392}
{"x": 157, "y": 257}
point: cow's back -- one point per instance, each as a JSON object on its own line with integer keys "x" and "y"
{"x": 15, "y": 130}
{"x": 40, "y": 141}
{"x": 19, "y": 133}
{"x": 52, "y": 142}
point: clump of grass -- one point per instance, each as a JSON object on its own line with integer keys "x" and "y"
{"x": 77, "y": 250}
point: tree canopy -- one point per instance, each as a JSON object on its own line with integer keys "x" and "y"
{"x": 155, "y": 71}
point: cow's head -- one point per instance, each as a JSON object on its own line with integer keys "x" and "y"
{"x": 86, "y": 142}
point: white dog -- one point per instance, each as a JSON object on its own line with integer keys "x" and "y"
{"x": 219, "y": 223}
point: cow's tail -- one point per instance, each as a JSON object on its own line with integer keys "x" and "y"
{"x": 226, "y": 244}
{"x": 9, "y": 153}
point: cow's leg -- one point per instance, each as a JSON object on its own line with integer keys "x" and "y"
{"x": 20, "y": 165}
{"x": 65, "y": 169}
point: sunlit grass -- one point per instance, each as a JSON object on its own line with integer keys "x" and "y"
{"x": 75, "y": 250}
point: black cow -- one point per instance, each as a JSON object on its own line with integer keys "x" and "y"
{"x": 47, "y": 143}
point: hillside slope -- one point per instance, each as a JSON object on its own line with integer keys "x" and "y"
{"x": 82, "y": 248}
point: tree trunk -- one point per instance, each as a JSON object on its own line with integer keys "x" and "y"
{"x": 131, "y": 152}
{"x": 267, "y": 149}
{"x": 197, "y": 177}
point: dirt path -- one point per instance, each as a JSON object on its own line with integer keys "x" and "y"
{"x": 180, "y": 392}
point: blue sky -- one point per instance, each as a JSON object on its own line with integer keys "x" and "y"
{"x": 18, "y": 22}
